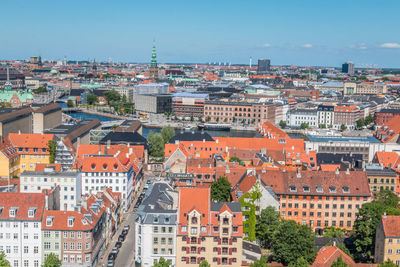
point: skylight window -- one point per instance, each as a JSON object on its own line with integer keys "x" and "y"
{"x": 306, "y": 188}
{"x": 332, "y": 189}
{"x": 293, "y": 188}
{"x": 346, "y": 189}
{"x": 319, "y": 189}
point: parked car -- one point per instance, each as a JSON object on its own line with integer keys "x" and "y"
{"x": 126, "y": 228}
{"x": 137, "y": 205}
{"x": 112, "y": 256}
{"x": 148, "y": 182}
{"x": 125, "y": 232}
{"x": 115, "y": 250}
{"x": 121, "y": 238}
{"x": 110, "y": 263}
{"x": 118, "y": 244}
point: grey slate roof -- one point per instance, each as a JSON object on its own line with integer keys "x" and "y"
{"x": 234, "y": 206}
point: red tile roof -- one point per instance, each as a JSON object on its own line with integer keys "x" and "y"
{"x": 30, "y": 140}
{"x": 22, "y": 202}
{"x": 391, "y": 225}
{"x": 41, "y": 166}
{"x": 327, "y": 255}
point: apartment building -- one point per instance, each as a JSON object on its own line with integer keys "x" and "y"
{"x": 20, "y": 228}
{"x": 319, "y": 199}
{"x": 33, "y": 148}
{"x": 297, "y": 117}
{"x": 76, "y": 237}
{"x": 155, "y": 225}
{"x": 346, "y": 115}
{"x": 187, "y": 104}
{"x": 387, "y": 241}
{"x": 49, "y": 178}
{"x": 325, "y": 115}
{"x": 365, "y": 88}
{"x": 208, "y": 230}
{"x": 380, "y": 178}
{"x": 228, "y": 112}
{"x": 9, "y": 160}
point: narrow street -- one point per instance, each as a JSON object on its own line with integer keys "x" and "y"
{"x": 126, "y": 255}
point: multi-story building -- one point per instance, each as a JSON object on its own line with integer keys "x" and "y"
{"x": 228, "y": 112}
{"x": 33, "y": 149}
{"x": 346, "y": 115}
{"x": 297, "y": 117}
{"x": 387, "y": 241}
{"x": 188, "y": 104}
{"x": 155, "y": 225}
{"x": 383, "y": 116}
{"x": 264, "y": 65}
{"x": 263, "y": 112}
{"x": 48, "y": 178}
{"x": 325, "y": 115}
{"x": 380, "y": 178}
{"x": 208, "y": 230}
{"x": 319, "y": 199}
{"x": 153, "y": 103}
{"x": 76, "y": 237}
{"x": 14, "y": 120}
{"x": 20, "y": 228}
{"x": 348, "y": 68}
{"x": 63, "y": 154}
{"x": 9, "y": 160}
{"x": 365, "y": 88}
{"x": 46, "y": 117}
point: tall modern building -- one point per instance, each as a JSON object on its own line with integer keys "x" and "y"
{"x": 264, "y": 65}
{"x": 348, "y": 68}
{"x": 153, "y": 65}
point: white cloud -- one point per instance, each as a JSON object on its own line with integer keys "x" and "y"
{"x": 360, "y": 46}
{"x": 390, "y": 45}
{"x": 307, "y": 45}
{"x": 266, "y": 45}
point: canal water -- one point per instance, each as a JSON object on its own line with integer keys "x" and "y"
{"x": 146, "y": 131}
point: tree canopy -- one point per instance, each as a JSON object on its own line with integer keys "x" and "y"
{"x": 369, "y": 215}
{"x": 112, "y": 96}
{"x": 204, "y": 263}
{"x": 52, "y": 261}
{"x": 91, "y": 99}
{"x": 3, "y": 261}
{"x": 267, "y": 223}
{"x": 156, "y": 144}
{"x": 339, "y": 263}
{"x": 52, "y": 147}
{"x": 162, "y": 263}
{"x": 167, "y": 133}
{"x": 262, "y": 262}
{"x": 221, "y": 189}
{"x": 282, "y": 124}
{"x": 300, "y": 262}
{"x": 387, "y": 263}
{"x": 292, "y": 241}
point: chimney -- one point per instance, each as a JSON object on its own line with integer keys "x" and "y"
{"x": 284, "y": 169}
{"x": 227, "y": 169}
{"x": 384, "y": 215}
{"x": 337, "y": 171}
{"x": 298, "y": 173}
{"x": 99, "y": 149}
{"x": 347, "y": 171}
{"x": 19, "y": 132}
{"x": 108, "y": 143}
{"x": 130, "y": 150}
{"x": 204, "y": 140}
{"x": 78, "y": 142}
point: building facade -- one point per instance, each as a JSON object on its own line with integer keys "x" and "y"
{"x": 151, "y": 103}
{"x": 297, "y": 117}
{"x": 387, "y": 241}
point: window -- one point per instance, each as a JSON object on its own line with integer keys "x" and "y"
{"x": 26, "y": 249}
{"x": 193, "y": 230}
{"x": 155, "y": 251}
{"x": 46, "y": 245}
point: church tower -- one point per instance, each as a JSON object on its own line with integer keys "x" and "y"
{"x": 153, "y": 65}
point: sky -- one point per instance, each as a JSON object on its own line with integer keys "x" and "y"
{"x": 298, "y": 32}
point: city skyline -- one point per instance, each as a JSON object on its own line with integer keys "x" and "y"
{"x": 308, "y": 33}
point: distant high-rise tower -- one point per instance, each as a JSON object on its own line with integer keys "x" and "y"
{"x": 153, "y": 65}
{"x": 348, "y": 68}
{"x": 264, "y": 65}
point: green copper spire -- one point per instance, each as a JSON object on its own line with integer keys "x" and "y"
{"x": 153, "y": 63}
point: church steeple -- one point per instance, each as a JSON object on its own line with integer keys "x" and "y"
{"x": 153, "y": 70}
{"x": 153, "y": 62}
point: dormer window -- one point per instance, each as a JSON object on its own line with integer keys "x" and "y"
{"x": 71, "y": 220}
{"x": 115, "y": 166}
{"x": 31, "y": 212}
{"x": 346, "y": 189}
{"x": 306, "y": 188}
{"x": 13, "y": 211}
{"x": 166, "y": 219}
{"x": 332, "y": 189}
{"x": 49, "y": 221}
{"x": 292, "y": 188}
{"x": 319, "y": 189}
{"x": 84, "y": 222}
{"x": 104, "y": 166}
{"x": 155, "y": 219}
{"x": 93, "y": 166}
{"x": 194, "y": 220}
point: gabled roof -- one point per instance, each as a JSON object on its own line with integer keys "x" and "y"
{"x": 21, "y": 203}
{"x": 391, "y": 225}
{"x": 31, "y": 140}
{"x": 327, "y": 255}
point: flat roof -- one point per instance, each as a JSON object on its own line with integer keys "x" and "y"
{"x": 369, "y": 139}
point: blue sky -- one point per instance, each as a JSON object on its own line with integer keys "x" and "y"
{"x": 308, "y": 32}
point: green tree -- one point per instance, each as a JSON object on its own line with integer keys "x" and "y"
{"x": 208, "y": 118}
{"x": 221, "y": 189}
{"x": 387, "y": 263}
{"x": 304, "y": 125}
{"x": 70, "y": 103}
{"x": 124, "y": 99}
{"x": 3, "y": 261}
{"x": 369, "y": 119}
{"x": 331, "y": 231}
{"x": 300, "y": 262}
{"x": 292, "y": 241}
{"x": 343, "y": 127}
{"x": 52, "y": 261}
{"x": 167, "y": 133}
{"x": 339, "y": 263}
{"x": 156, "y": 144}
{"x": 162, "y": 263}
{"x": 91, "y": 99}
{"x": 191, "y": 118}
{"x": 360, "y": 123}
{"x": 40, "y": 90}
{"x": 267, "y": 223}
{"x": 235, "y": 159}
{"x": 112, "y": 96}
{"x": 322, "y": 126}
{"x": 204, "y": 263}
{"x": 52, "y": 147}
{"x": 262, "y": 262}
{"x": 389, "y": 198}
{"x": 368, "y": 217}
